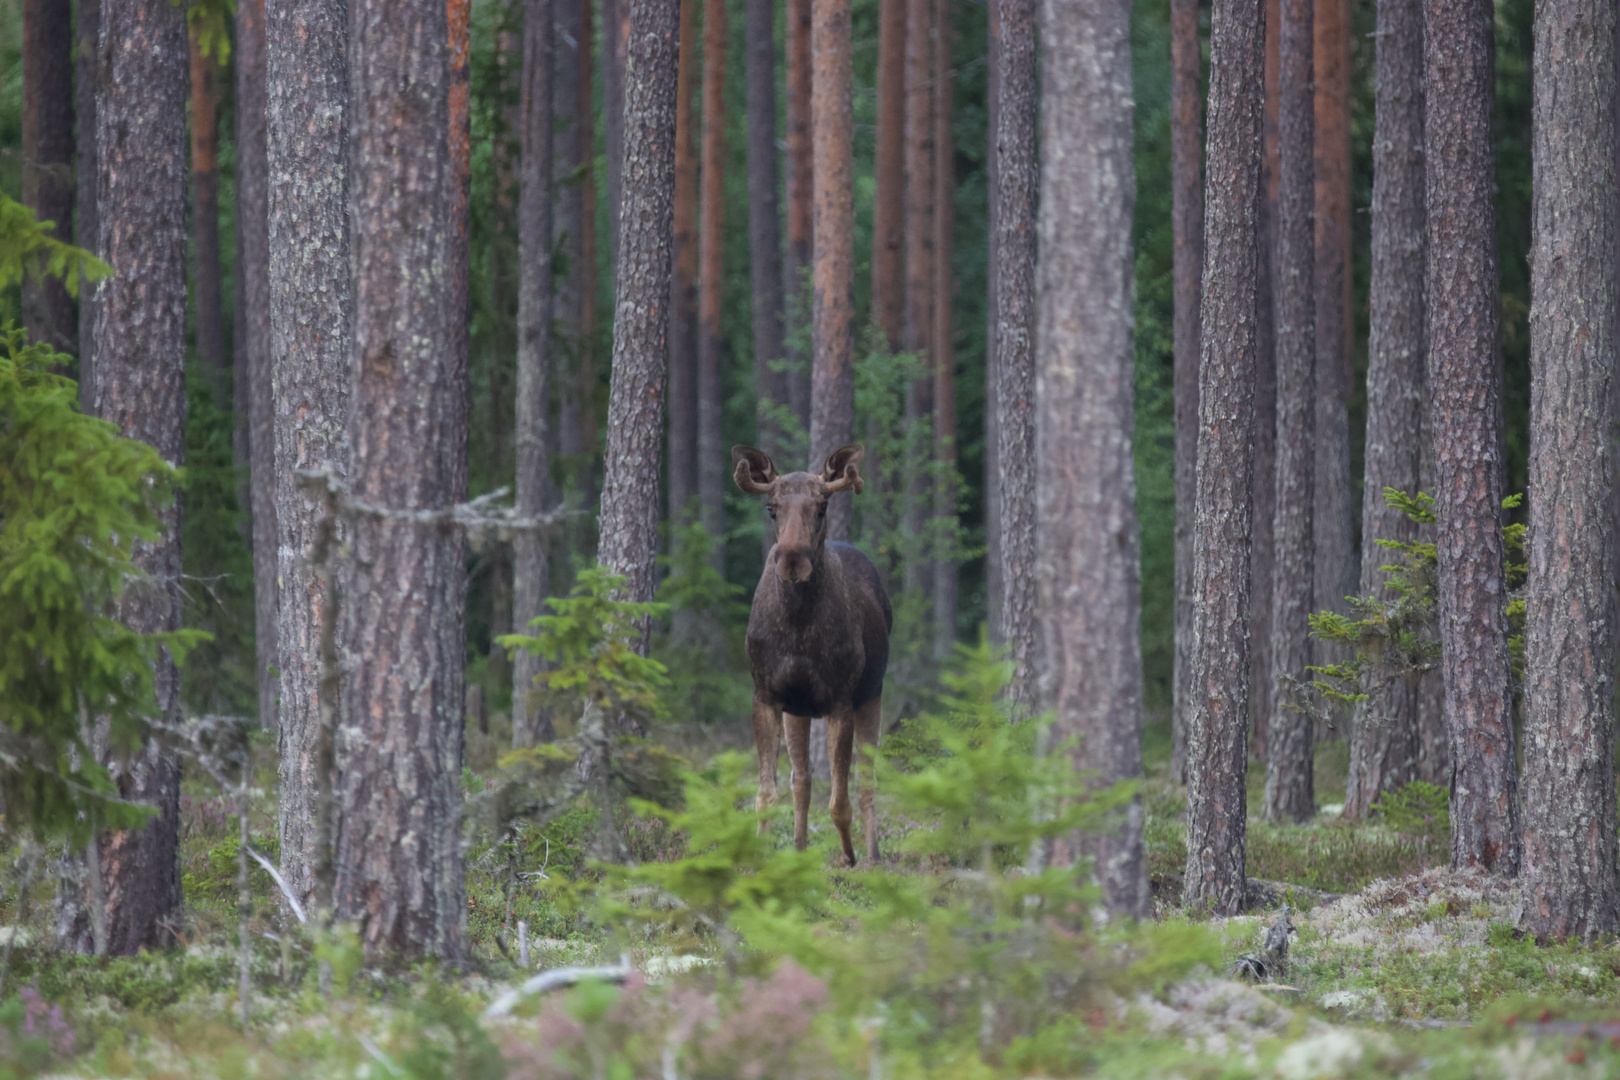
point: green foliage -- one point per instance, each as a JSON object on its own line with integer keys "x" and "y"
{"x": 703, "y": 649}
{"x": 75, "y": 499}
{"x": 34, "y": 1035}
{"x": 1418, "y": 808}
{"x": 216, "y": 879}
{"x": 27, "y": 249}
{"x": 209, "y": 21}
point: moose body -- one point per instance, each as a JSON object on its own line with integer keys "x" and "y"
{"x": 818, "y": 640}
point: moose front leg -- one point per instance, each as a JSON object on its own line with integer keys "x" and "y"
{"x": 868, "y": 723}
{"x": 767, "y": 740}
{"x": 798, "y": 740}
{"x": 840, "y": 748}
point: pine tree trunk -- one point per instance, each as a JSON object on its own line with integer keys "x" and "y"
{"x": 629, "y": 515}
{"x": 1087, "y": 564}
{"x": 995, "y": 591}
{"x": 530, "y": 566}
{"x": 1385, "y": 742}
{"x": 307, "y": 81}
{"x": 1290, "y": 795}
{"x": 764, "y": 224}
{"x": 1569, "y": 804}
{"x": 1435, "y": 734}
{"x": 588, "y": 280}
{"x": 801, "y": 203}
{"x": 140, "y": 387}
{"x": 47, "y": 165}
{"x": 683, "y": 289}
{"x": 711, "y": 456}
{"x": 615, "y": 41}
{"x": 398, "y": 854}
{"x": 1262, "y": 551}
{"x": 1218, "y": 732}
{"x": 832, "y": 373}
{"x": 944, "y": 371}
{"x": 87, "y": 81}
{"x": 1017, "y": 191}
{"x": 458, "y": 271}
{"x": 889, "y": 209}
{"x": 569, "y": 49}
{"x": 1187, "y": 224}
{"x": 205, "y": 76}
{"x": 1464, "y": 391}
{"x": 917, "y": 332}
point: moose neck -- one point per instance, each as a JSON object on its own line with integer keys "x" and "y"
{"x": 802, "y": 597}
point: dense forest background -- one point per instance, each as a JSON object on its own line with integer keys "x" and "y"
{"x": 219, "y": 677}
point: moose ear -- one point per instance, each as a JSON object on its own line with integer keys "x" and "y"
{"x": 754, "y": 472}
{"x": 840, "y": 473}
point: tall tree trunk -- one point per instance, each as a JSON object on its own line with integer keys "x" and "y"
{"x": 1459, "y": 84}
{"x": 205, "y": 76}
{"x": 832, "y": 375}
{"x": 87, "y": 82}
{"x": 253, "y": 389}
{"x": 569, "y": 48}
{"x": 1087, "y": 564}
{"x": 1569, "y": 806}
{"x": 615, "y": 41}
{"x": 764, "y": 224}
{"x": 1262, "y": 551}
{"x": 310, "y": 320}
{"x": 1218, "y": 732}
{"x": 535, "y": 169}
{"x": 944, "y": 370}
{"x": 47, "y": 165}
{"x": 140, "y": 386}
{"x": 585, "y": 131}
{"x": 801, "y": 201}
{"x": 629, "y": 516}
{"x": 889, "y": 209}
{"x": 1385, "y": 742}
{"x": 683, "y": 287}
{"x": 458, "y": 270}
{"x": 921, "y": 192}
{"x": 1431, "y": 706}
{"x": 1017, "y": 190}
{"x": 711, "y": 459}
{"x": 398, "y": 855}
{"x": 1187, "y": 225}
{"x": 995, "y": 590}
{"x": 1290, "y": 795}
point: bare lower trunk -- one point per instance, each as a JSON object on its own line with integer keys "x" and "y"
{"x": 1385, "y": 742}
{"x": 140, "y": 388}
{"x": 711, "y": 459}
{"x": 1569, "y": 805}
{"x": 1464, "y": 390}
{"x": 398, "y": 854}
{"x": 309, "y": 312}
{"x": 47, "y": 159}
{"x": 1218, "y": 732}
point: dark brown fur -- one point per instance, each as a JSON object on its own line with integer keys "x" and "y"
{"x": 818, "y": 639}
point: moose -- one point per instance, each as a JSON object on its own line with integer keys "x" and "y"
{"x": 818, "y": 639}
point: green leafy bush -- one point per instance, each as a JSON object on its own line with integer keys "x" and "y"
{"x": 1418, "y": 809}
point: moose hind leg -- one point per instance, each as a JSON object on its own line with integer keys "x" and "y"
{"x": 840, "y": 748}
{"x": 798, "y": 740}
{"x": 868, "y": 722}
{"x": 767, "y": 740}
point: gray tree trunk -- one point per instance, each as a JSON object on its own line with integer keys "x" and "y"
{"x": 801, "y": 202}
{"x": 1262, "y": 550}
{"x": 615, "y": 40}
{"x": 1465, "y": 391}
{"x": 943, "y": 573}
{"x": 682, "y": 453}
{"x": 1290, "y": 795}
{"x": 1218, "y": 732}
{"x": 87, "y": 81}
{"x": 917, "y": 331}
{"x": 399, "y": 754}
{"x": 309, "y": 310}
{"x": 140, "y": 386}
{"x": 1017, "y": 193}
{"x": 1087, "y": 565}
{"x": 1187, "y": 224}
{"x": 764, "y": 224}
{"x": 711, "y": 460}
{"x": 1569, "y": 805}
{"x": 1385, "y": 741}
{"x": 995, "y": 591}
{"x": 47, "y": 159}
{"x": 535, "y": 169}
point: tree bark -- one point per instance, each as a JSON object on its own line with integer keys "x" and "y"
{"x": 1087, "y": 565}
{"x": 585, "y": 131}
{"x": 764, "y": 224}
{"x": 995, "y": 591}
{"x": 944, "y": 370}
{"x": 1187, "y": 225}
{"x": 1290, "y": 795}
{"x": 458, "y": 272}
{"x": 711, "y": 457}
{"x": 683, "y": 401}
{"x": 615, "y": 41}
{"x": 801, "y": 201}
{"x": 210, "y": 305}
{"x": 1262, "y": 551}
{"x": 310, "y": 314}
{"x": 1385, "y": 741}
{"x": 531, "y": 725}
{"x": 832, "y": 374}
{"x": 629, "y": 515}
{"x": 1017, "y": 191}
{"x": 47, "y": 165}
{"x": 398, "y": 851}
{"x": 917, "y": 332}
{"x": 1216, "y": 750}
{"x": 1569, "y": 806}
{"x": 1464, "y": 391}
{"x": 889, "y": 209}
{"x": 87, "y": 81}
{"x": 569, "y": 50}
{"x": 140, "y": 386}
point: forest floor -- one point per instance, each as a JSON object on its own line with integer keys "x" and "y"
{"x": 1410, "y": 971}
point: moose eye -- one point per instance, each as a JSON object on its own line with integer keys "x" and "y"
{"x": 771, "y": 510}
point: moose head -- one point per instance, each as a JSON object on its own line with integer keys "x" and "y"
{"x": 797, "y": 502}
